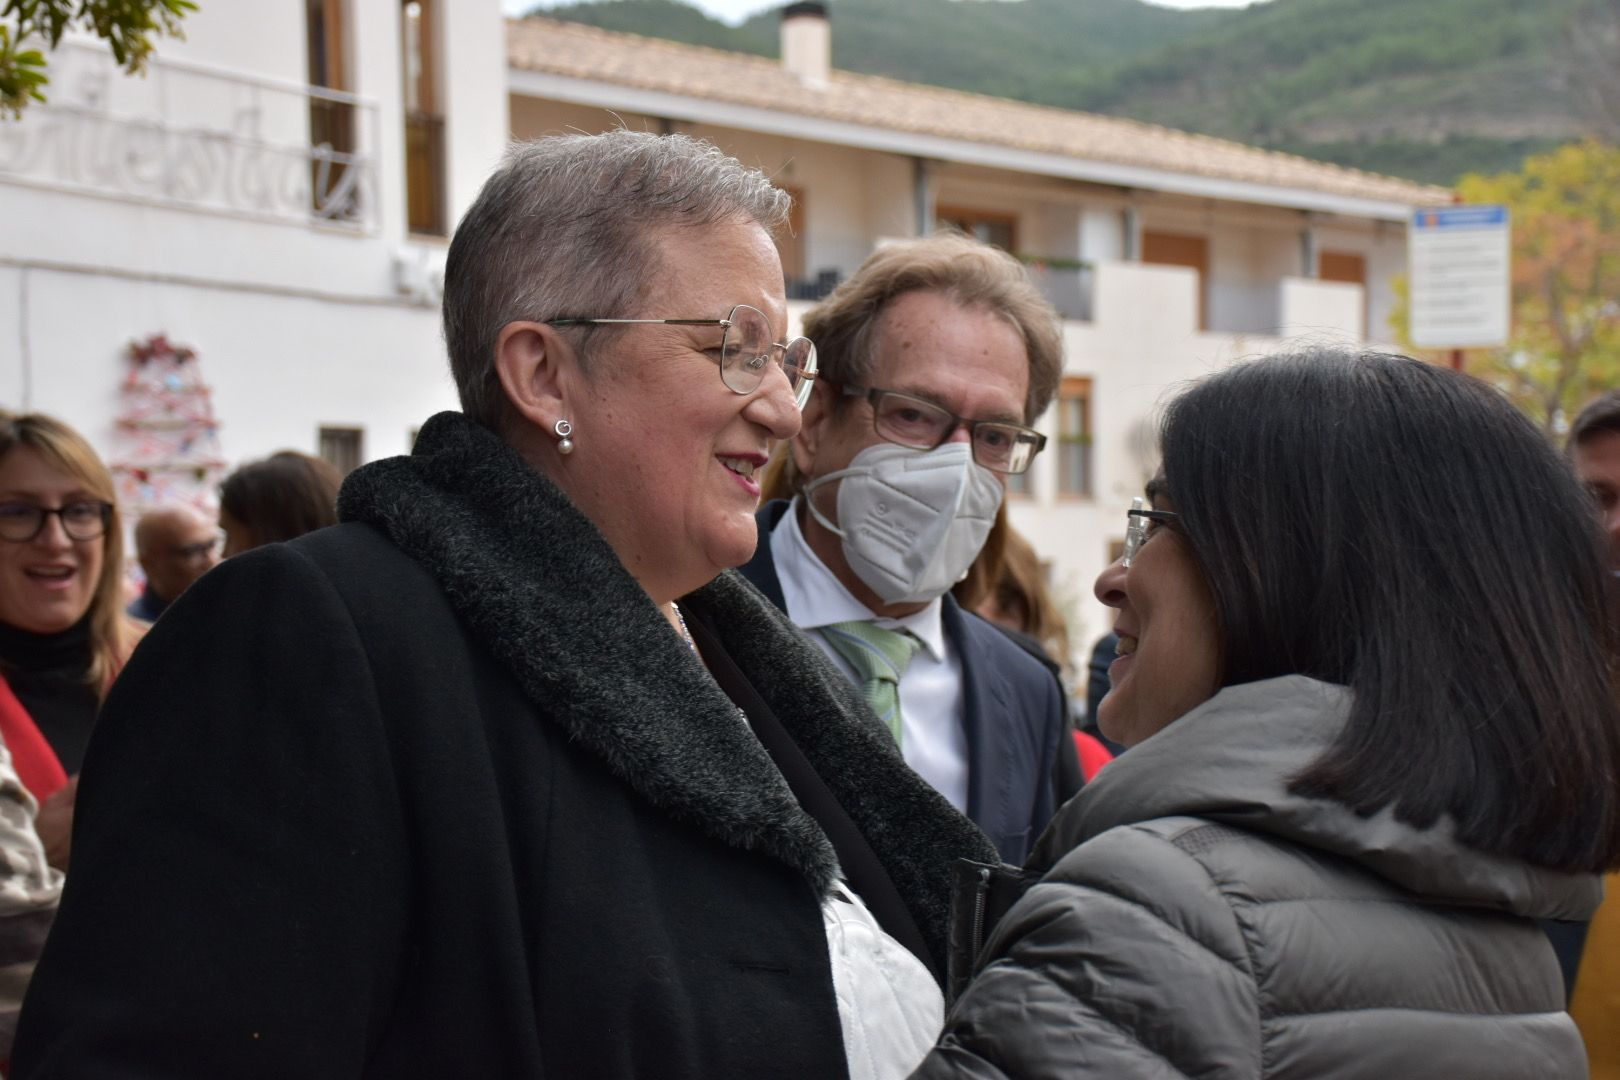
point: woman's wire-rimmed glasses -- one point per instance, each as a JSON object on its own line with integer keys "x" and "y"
{"x": 20, "y": 522}
{"x": 922, "y": 425}
{"x": 746, "y": 349}
{"x": 1140, "y": 524}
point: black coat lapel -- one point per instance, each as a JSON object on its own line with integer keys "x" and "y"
{"x": 915, "y": 832}
{"x": 858, "y": 863}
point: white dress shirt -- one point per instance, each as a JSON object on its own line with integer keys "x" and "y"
{"x": 932, "y": 738}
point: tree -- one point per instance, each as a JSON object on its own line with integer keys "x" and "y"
{"x": 1565, "y": 343}
{"x": 128, "y": 27}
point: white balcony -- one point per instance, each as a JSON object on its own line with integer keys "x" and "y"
{"x": 196, "y": 138}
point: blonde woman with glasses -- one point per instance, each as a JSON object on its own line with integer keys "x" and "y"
{"x": 63, "y": 637}
{"x": 63, "y": 631}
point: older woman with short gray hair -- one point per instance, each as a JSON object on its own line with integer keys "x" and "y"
{"x": 509, "y": 774}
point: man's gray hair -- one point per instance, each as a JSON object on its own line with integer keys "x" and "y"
{"x": 567, "y": 226}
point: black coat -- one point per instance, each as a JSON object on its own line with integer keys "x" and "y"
{"x": 438, "y": 793}
{"x": 1015, "y": 714}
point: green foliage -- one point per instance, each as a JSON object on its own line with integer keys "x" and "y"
{"x": 1427, "y": 161}
{"x": 1565, "y": 344}
{"x": 1009, "y": 49}
{"x": 1428, "y": 90}
{"x": 667, "y": 19}
{"x": 1285, "y": 68}
{"x": 128, "y": 27}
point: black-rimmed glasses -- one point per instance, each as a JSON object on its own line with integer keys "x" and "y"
{"x": 1141, "y": 523}
{"x": 746, "y": 349}
{"x": 922, "y": 425}
{"x": 20, "y": 522}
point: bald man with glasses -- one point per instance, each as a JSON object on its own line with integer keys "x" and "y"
{"x": 175, "y": 545}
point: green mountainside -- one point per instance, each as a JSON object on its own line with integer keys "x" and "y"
{"x": 1427, "y": 89}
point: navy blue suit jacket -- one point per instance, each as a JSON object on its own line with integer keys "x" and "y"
{"x": 1014, "y": 713}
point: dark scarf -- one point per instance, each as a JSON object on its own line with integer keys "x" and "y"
{"x": 50, "y": 674}
{"x": 540, "y": 587}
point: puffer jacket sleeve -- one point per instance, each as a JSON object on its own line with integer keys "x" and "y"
{"x": 1123, "y": 961}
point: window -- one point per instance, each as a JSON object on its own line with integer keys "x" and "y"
{"x": 424, "y": 123}
{"x": 1074, "y": 437}
{"x": 1342, "y": 266}
{"x": 343, "y": 447}
{"x": 992, "y": 228}
{"x": 1349, "y": 268}
{"x": 1020, "y": 483}
{"x": 790, "y": 244}
{"x": 1175, "y": 249}
{"x": 331, "y": 116}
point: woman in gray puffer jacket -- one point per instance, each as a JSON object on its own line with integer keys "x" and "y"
{"x": 1365, "y": 673}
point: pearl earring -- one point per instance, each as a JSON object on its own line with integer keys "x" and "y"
{"x": 564, "y": 429}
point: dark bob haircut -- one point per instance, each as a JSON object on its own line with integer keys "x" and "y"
{"x": 1399, "y": 529}
{"x": 282, "y": 497}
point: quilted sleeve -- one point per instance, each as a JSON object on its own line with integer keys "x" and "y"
{"x": 29, "y": 890}
{"x": 1124, "y": 961}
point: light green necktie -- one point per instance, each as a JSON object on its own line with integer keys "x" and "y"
{"x": 879, "y": 658}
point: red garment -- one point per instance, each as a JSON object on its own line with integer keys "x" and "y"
{"x": 36, "y": 763}
{"x": 1093, "y": 754}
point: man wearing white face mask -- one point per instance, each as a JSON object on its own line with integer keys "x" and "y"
{"x": 935, "y": 357}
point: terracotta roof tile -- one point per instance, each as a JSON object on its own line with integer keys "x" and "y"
{"x": 570, "y": 49}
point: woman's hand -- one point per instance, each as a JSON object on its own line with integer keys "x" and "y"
{"x": 55, "y": 823}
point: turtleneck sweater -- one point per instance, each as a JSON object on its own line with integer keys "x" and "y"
{"x": 47, "y": 673}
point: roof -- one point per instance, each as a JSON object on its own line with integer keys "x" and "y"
{"x": 1112, "y": 149}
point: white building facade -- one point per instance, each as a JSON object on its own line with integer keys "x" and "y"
{"x": 274, "y": 193}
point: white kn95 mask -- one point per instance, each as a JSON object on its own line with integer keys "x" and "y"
{"x": 911, "y": 521}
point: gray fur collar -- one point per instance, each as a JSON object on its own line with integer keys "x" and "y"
{"x": 540, "y": 587}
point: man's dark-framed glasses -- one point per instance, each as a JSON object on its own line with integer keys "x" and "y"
{"x": 746, "y": 349}
{"x": 1140, "y": 523}
{"x": 20, "y": 522}
{"x": 922, "y": 425}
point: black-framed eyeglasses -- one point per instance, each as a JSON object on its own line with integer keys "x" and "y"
{"x": 922, "y": 425}
{"x": 746, "y": 349}
{"x": 1141, "y": 523}
{"x": 20, "y": 522}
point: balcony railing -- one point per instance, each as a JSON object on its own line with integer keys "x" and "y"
{"x": 1068, "y": 284}
{"x": 198, "y": 138}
